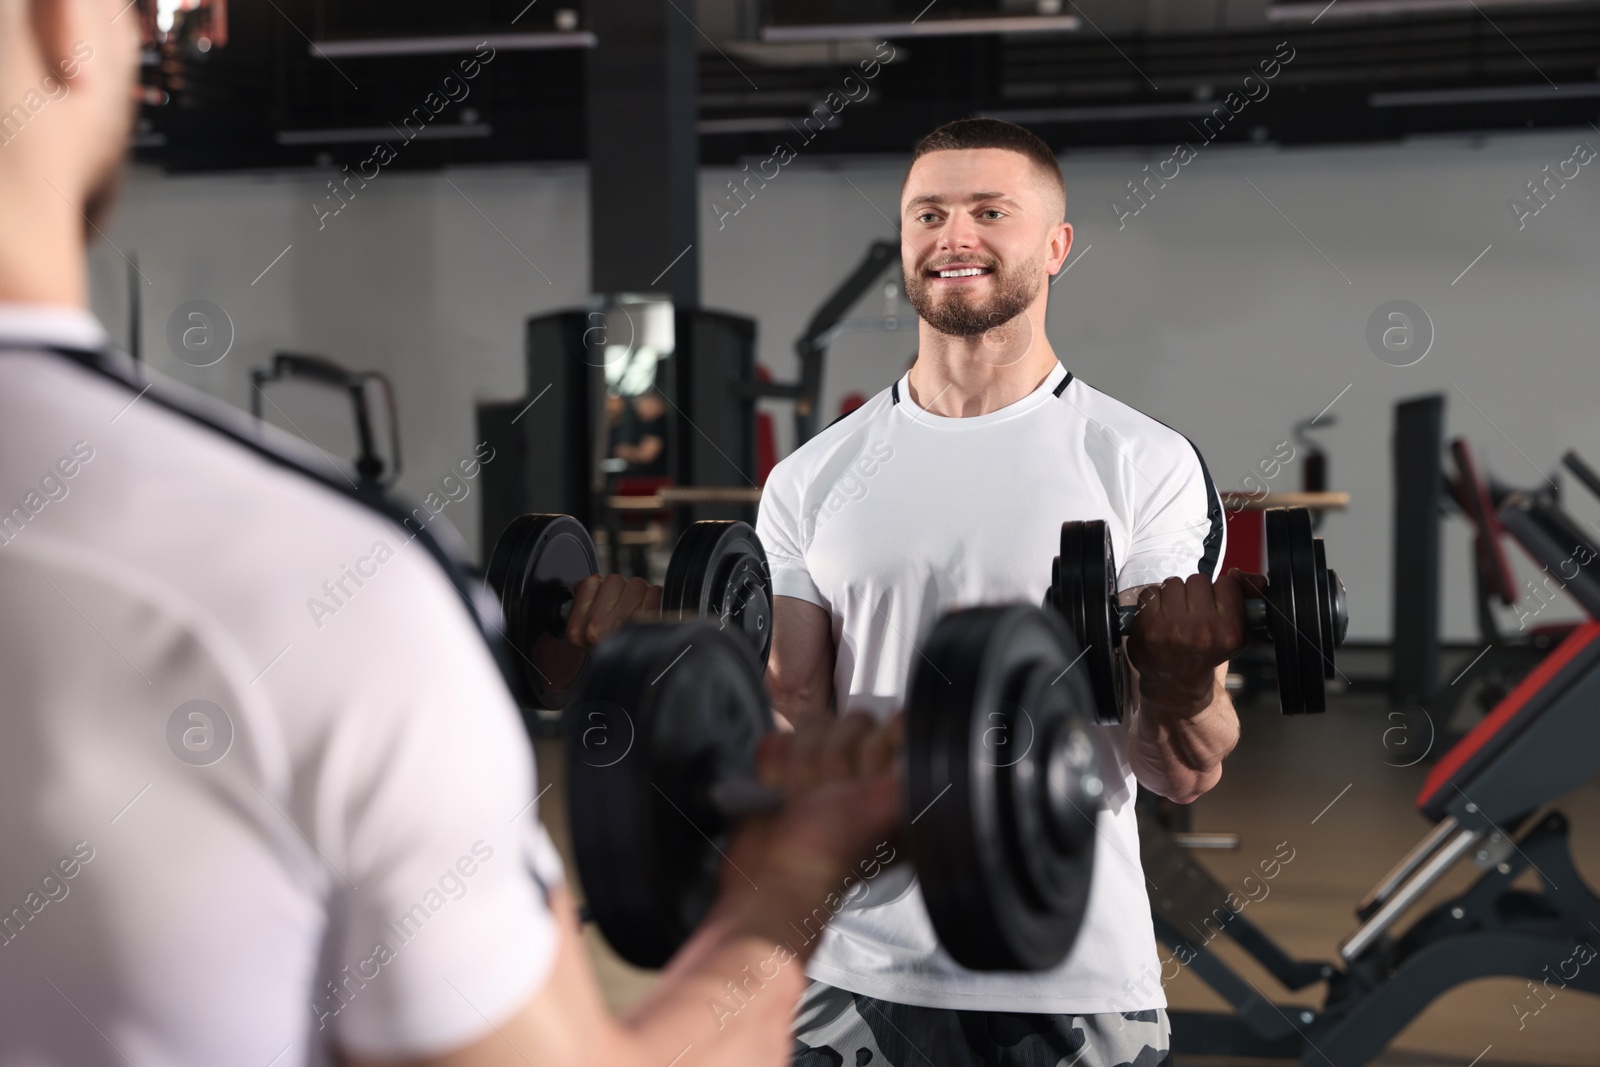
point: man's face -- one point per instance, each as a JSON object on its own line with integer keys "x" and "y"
{"x": 980, "y": 231}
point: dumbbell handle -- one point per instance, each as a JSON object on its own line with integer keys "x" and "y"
{"x": 1255, "y": 616}
{"x": 737, "y": 798}
{"x": 563, "y": 612}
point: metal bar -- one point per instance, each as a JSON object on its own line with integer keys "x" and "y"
{"x": 1418, "y": 855}
{"x": 1582, "y": 471}
{"x": 364, "y": 134}
{"x": 1409, "y": 894}
{"x": 1538, "y": 532}
{"x": 423, "y": 46}
{"x": 681, "y": 496}
{"x": 738, "y": 797}
{"x": 1327, "y": 500}
{"x": 1178, "y": 109}
{"x": 1258, "y": 1013}
{"x": 810, "y": 346}
{"x": 851, "y": 31}
{"x": 675, "y": 495}
{"x": 1351, "y": 9}
{"x": 1485, "y": 95}
{"x": 779, "y": 390}
{"x": 1189, "y": 839}
{"x": 878, "y": 256}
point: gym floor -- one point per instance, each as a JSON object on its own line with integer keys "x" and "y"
{"x": 1326, "y": 785}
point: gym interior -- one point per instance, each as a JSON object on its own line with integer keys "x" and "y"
{"x": 618, "y": 260}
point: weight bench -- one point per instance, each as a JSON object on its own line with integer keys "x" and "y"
{"x": 1483, "y": 796}
{"x": 1508, "y": 656}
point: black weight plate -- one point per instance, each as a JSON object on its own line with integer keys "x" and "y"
{"x": 1328, "y": 602}
{"x": 534, "y": 566}
{"x": 1281, "y": 610}
{"x": 1086, "y": 592}
{"x": 667, "y": 711}
{"x": 1308, "y": 593}
{"x": 1001, "y": 790}
{"x": 1341, "y": 608}
{"x": 719, "y": 571}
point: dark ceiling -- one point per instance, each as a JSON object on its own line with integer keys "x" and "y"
{"x": 291, "y": 87}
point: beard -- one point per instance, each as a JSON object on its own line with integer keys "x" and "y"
{"x": 957, "y": 315}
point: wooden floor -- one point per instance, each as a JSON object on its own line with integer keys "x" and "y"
{"x": 1327, "y": 786}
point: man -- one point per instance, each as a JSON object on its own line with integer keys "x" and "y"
{"x": 642, "y": 440}
{"x": 949, "y": 489}
{"x": 264, "y": 798}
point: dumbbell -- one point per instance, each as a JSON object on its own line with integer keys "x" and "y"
{"x": 718, "y": 570}
{"x": 1303, "y": 614}
{"x": 1002, "y": 785}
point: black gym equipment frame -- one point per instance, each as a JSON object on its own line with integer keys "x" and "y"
{"x": 1418, "y": 486}
{"x": 322, "y": 371}
{"x": 548, "y": 440}
{"x": 812, "y": 346}
{"x": 440, "y": 543}
{"x": 1486, "y": 798}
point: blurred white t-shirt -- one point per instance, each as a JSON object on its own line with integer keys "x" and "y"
{"x": 892, "y": 517}
{"x": 237, "y": 827}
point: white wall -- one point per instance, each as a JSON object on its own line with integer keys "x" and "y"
{"x": 1207, "y": 309}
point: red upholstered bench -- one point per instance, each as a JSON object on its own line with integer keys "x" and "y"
{"x": 1473, "y": 765}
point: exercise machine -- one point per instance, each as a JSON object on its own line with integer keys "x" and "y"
{"x": 1485, "y": 798}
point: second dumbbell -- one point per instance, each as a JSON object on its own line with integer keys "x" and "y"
{"x": 1303, "y": 613}
{"x": 718, "y": 571}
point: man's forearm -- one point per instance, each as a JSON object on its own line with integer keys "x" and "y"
{"x": 1176, "y": 746}
{"x": 800, "y": 668}
{"x": 730, "y": 994}
{"x": 797, "y": 708}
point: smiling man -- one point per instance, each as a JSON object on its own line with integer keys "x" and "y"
{"x": 946, "y": 490}
{"x": 329, "y": 850}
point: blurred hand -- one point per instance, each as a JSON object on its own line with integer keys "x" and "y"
{"x": 1186, "y": 628}
{"x": 600, "y": 606}
{"x": 842, "y": 781}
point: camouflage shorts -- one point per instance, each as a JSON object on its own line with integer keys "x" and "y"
{"x": 837, "y": 1028}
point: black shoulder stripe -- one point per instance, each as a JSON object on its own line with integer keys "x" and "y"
{"x": 894, "y": 390}
{"x": 1212, "y": 548}
{"x": 842, "y": 416}
{"x": 237, "y": 426}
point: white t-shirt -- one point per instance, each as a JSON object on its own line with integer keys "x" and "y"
{"x": 236, "y": 827}
{"x": 892, "y": 517}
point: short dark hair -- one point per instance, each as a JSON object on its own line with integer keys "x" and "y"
{"x": 964, "y": 134}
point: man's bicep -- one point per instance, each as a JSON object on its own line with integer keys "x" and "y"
{"x": 800, "y": 668}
